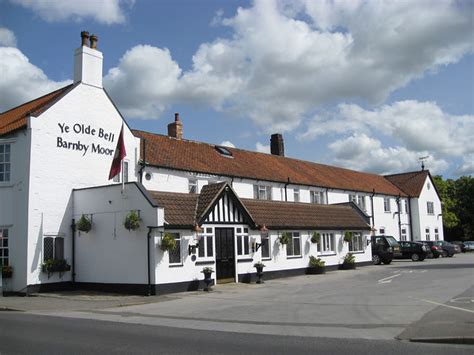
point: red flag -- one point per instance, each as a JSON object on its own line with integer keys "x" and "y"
{"x": 120, "y": 153}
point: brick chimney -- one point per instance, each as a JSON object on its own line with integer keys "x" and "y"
{"x": 175, "y": 129}
{"x": 277, "y": 147}
{"x": 88, "y": 62}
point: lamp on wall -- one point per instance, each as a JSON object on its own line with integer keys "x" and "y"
{"x": 192, "y": 247}
{"x": 263, "y": 231}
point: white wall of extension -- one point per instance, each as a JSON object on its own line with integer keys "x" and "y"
{"x": 110, "y": 253}
{"x": 72, "y": 146}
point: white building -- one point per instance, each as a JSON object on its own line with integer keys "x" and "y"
{"x": 225, "y": 207}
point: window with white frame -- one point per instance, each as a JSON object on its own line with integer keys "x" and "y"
{"x": 4, "y": 252}
{"x": 318, "y": 197}
{"x": 206, "y": 248}
{"x": 53, "y": 247}
{"x": 403, "y": 236}
{"x": 296, "y": 194}
{"x": 175, "y": 254}
{"x": 436, "y": 234}
{"x": 359, "y": 200}
{"x": 386, "y": 204}
{"x": 243, "y": 241}
{"x": 192, "y": 186}
{"x": 265, "y": 248}
{"x": 430, "y": 207}
{"x": 5, "y": 162}
{"x": 356, "y": 243}
{"x": 327, "y": 243}
{"x": 125, "y": 171}
{"x": 293, "y": 248}
{"x": 427, "y": 233}
{"x": 406, "y": 206}
{"x": 382, "y": 230}
{"x": 262, "y": 192}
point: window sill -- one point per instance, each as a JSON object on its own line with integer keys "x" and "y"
{"x": 266, "y": 258}
{"x": 204, "y": 262}
{"x": 175, "y": 265}
{"x": 294, "y": 256}
{"x": 357, "y": 252}
{"x": 247, "y": 260}
{"x": 6, "y": 184}
{"x": 323, "y": 255}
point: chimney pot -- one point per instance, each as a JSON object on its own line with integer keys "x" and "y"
{"x": 277, "y": 147}
{"x": 84, "y": 38}
{"x": 175, "y": 129}
{"x": 94, "y": 40}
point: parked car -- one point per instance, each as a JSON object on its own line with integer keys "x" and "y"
{"x": 443, "y": 248}
{"x": 460, "y": 244}
{"x": 384, "y": 249}
{"x": 435, "y": 249}
{"x": 469, "y": 245}
{"x": 415, "y": 251}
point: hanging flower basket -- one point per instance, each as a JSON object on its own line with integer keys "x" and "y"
{"x": 168, "y": 242}
{"x": 315, "y": 238}
{"x": 132, "y": 221}
{"x": 284, "y": 238}
{"x": 347, "y": 237}
{"x": 7, "y": 271}
{"x": 55, "y": 265}
{"x": 84, "y": 224}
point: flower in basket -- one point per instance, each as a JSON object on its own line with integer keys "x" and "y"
{"x": 347, "y": 236}
{"x": 207, "y": 270}
{"x": 284, "y": 238}
{"x": 84, "y": 224}
{"x": 7, "y": 271}
{"x": 132, "y": 221}
{"x": 315, "y": 238}
{"x": 259, "y": 264}
{"x": 168, "y": 242}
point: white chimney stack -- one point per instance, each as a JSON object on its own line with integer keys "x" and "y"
{"x": 88, "y": 62}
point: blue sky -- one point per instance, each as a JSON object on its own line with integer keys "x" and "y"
{"x": 370, "y": 85}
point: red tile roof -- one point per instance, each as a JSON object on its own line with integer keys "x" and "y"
{"x": 411, "y": 183}
{"x": 166, "y": 152}
{"x": 16, "y": 117}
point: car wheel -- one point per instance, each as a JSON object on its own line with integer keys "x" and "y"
{"x": 445, "y": 254}
{"x": 387, "y": 262}
{"x": 421, "y": 259}
{"x": 450, "y": 255}
{"x": 376, "y": 260}
{"x": 415, "y": 257}
{"x": 436, "y": 256}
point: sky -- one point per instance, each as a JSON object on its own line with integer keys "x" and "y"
{"x": 367, "y": 85}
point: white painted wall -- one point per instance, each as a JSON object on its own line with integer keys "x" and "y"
{"x": 109, "y": 253}
{"x": 55, "y": 171}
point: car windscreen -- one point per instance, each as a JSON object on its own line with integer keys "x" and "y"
{"x": 392, "y": 241}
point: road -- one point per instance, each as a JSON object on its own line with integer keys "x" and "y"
{"x": 358, "y": 310}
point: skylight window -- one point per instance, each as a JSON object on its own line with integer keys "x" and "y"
{"x": 223, "y": 151}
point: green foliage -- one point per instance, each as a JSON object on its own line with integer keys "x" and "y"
{"x": 207, "y": 270}
{"x": 168, "y": 242}
{"x": 55, "y": 265}
{"x": 259, "y": 264}
{"x": 347, "y": 236}
{"x": 315, "y": 238}
{"x": 84, "y": 224}
{"x": 349, "y": 259}
{"x": 132, "y": 221}
{"x": 316, "y": 262}
{"x": 284, "y": 238}
{"x": 7, "y": 271}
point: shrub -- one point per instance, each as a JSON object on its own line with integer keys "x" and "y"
{"x": 349, "y": 259}
{"x": 207, "y": 270}
{"x": 316, "y": 262}
{"x": 84, "y": 224}
{"x": 259, "y": 264}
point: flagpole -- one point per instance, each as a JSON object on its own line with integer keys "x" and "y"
{"x": 123, "y": 176}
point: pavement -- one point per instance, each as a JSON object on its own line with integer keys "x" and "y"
{"x": 373, "y": 302}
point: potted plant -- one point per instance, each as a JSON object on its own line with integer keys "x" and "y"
{"x": 284, "y": 238}
{"x": 55, "y": 265}
{"x": 207, "y": 271}
{"x": 7, "y": 271}
{"x": 349, "y": 262}
{"x": 132, "y": 221}
{"x": 168, "y": 242}
{"x": 84, "y": 224}
{"x": 315, "y": 238}
{"x": 347, "y": 237}
{"x": 259, "y": 266}
{"x": 316, "y": 266}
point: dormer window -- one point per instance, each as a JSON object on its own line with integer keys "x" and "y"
{"x": 223, "y": 151}
{"x": 192, "y": 186}
{"x": 262, "y": 192}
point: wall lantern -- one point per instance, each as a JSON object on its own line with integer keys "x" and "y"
{"x": 263, "y": 234}
{"x": 197, "y": 237}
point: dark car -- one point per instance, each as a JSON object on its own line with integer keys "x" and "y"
{"x": 415, "y": 251}
{"x": 442, "y": 248}
{"x": 469, "y": 245}
{"x": 384, "y": 248}
{"x": 461, "y": 245}
{"x": 435, "y": 249}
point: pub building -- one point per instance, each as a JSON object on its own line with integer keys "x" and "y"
{"x": 71, "y": 218}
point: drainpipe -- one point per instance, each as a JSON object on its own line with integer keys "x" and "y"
{"x": 143, "y": 164}
{"x": 148, "y": 259}
{"x": 286, "y": 185}
{"x": 410, "y": 218}
{"x": 73, "y": 259}
{"x": 372, "y": 207}
{"x": 399, "y": 218}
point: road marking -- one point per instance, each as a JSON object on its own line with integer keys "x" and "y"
{"x": 463, "y": 300}
{"x": 387, "y": 279}
{"x": 444, "y": 305}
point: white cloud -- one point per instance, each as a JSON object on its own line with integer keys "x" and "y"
{"x": 363, "y": 153}
{"x": 262, "y": 148}
{"x": 285, "y": 59}
{"x": 467, "y": 167}
{"x": 103, "y": 11}
{"x": 7, "y": 38}
{"x": 21, "y": 81}
{"x": 228, "y": 144}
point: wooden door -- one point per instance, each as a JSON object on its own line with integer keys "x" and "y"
{"x": 225, "y": 254}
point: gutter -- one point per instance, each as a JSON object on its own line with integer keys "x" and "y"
{"x": 286, "y": 185}
{"x": 410, "y": 218}
{"x": 372, "y": 208}
{"x": 73, "y": 259}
